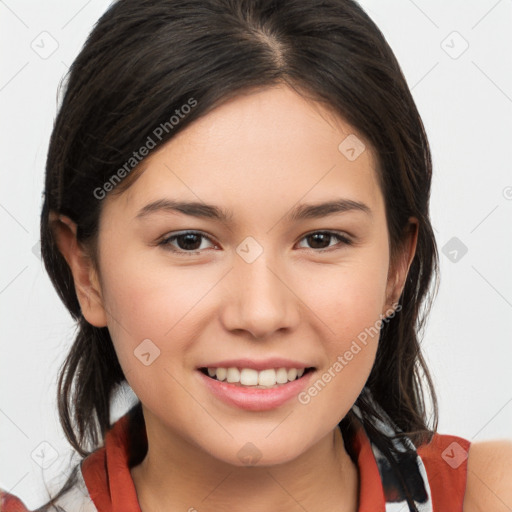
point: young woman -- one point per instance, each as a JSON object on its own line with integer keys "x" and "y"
{"x": 236, "y": 214}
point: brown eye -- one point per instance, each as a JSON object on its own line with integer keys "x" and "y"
{"x": 188, "y": 243}
{"x": 320, "y": 240}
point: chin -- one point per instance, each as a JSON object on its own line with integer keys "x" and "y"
{"x": 261, "y": 453}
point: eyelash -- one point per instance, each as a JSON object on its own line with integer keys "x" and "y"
{"x": 165, "y": 243}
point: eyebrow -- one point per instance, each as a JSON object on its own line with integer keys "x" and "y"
{"x": 209, "y": 211}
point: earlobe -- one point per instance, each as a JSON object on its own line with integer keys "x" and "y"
{"x": 85, "y": 277}
{"x": 400, "y": 267}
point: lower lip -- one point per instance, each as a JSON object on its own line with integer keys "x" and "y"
{"x": 254, "y": 399}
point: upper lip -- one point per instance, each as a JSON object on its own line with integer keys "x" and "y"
{"x": 274, "y": 362}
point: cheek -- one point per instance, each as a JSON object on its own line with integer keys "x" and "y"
{"x": 349, "y": 304}
{"x": 350, "y": 355}
{"x": 350, "y": 297}
{"x": 146, "y": 301}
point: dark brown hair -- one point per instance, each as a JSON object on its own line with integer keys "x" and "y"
{"x": 144, "y": 60}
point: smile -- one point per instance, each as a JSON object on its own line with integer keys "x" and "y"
{"x": 249, "y": 377}
{"x": 255, "y": 390}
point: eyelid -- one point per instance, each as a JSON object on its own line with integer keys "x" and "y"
{"x": 343, "y": 237}
{"x": 165, "y": 241}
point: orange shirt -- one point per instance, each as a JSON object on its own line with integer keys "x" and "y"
{"x": 437, "y": 473}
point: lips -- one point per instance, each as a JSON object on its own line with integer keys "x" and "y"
{"x": 282, "y": 380}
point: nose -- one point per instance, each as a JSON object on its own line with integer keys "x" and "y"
{"x": 261, "y": 300}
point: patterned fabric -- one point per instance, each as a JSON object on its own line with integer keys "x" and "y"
{"x": 435, "y": 477}
{"x": 412, "y": 469}
{"x": 435, "y": 474}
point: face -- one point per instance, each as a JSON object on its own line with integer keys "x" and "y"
{"x": 262, "y": 289}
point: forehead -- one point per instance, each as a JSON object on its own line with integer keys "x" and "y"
{"x": 259, "y": 151}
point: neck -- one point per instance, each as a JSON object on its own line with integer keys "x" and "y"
{"x": 176, "y": 475}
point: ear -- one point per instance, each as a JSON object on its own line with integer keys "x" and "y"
{"x": 400, "y": 264}
{"x": 87, "y": 284}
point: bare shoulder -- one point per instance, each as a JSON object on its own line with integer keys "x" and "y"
{"x": 489, "y": 477}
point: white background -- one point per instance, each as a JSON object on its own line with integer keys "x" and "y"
{"x": 466, "y": 105}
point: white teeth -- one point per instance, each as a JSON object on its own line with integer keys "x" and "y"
{"x": 250, "y": 377}
{"x": 292, "y": 373}
{"x": 282, "y": 376}
{"x": 267, "y": 377}
{"x": 233, "y": 375}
